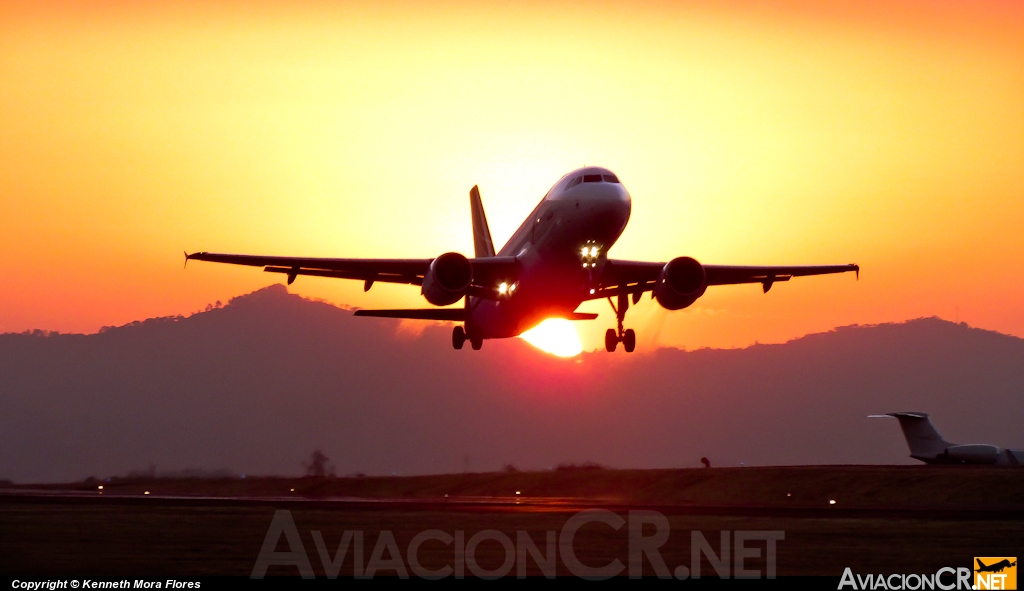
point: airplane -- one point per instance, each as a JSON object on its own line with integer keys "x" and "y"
{"x": 993, "y": 568}
{"x": 556, "y": 260}
{"x": 927, "y": 445}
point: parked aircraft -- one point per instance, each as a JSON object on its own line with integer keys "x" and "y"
{"x": 556, "y": 260}
{"x": 928, "y": 446}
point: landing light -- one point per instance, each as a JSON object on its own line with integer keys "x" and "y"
{"x": 589, "y": 252}
{"x": 503, "y": 288}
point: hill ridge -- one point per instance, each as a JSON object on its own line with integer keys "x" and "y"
{"x": 257, "y": 384}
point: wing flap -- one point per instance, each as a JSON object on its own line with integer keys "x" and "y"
{"x": 364, "y": 276}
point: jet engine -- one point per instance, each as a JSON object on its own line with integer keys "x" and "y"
{"x": 681, "y": 282}
{"x": 975, "y": 453}
{"x": 447, "y": 280}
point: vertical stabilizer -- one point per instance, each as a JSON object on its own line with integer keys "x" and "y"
{"x": 482, "y": 245}
{"x": 922, "y": 438}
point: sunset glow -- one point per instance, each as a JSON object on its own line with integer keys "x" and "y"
{"x": 556, "y": 336}
{"x": 889, "y": 134}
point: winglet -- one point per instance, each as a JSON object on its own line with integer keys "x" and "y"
{"x": 482, "y": 245}
{"x": 856, "y": 269}
{"x": 186, "y": 260}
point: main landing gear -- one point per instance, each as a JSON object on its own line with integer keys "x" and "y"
{"x": 460, "y": 336}
{"x": 613, "y": 337}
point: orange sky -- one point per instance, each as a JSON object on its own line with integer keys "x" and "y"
{"x": 890, "y": 134}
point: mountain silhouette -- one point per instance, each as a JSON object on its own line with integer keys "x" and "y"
{"x": 257, "y": 385}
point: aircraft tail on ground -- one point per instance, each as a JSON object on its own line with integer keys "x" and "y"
{"x": 482, "y": 245}
{"x": 923, "y": 440}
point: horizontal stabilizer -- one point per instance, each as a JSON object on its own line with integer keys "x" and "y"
{"x": 452, "y": 314}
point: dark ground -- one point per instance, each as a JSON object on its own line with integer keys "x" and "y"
{"x": 898, "y": 519}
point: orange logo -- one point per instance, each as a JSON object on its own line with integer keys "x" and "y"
{"x": 995, "y": 572}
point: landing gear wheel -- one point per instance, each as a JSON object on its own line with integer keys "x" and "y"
{"x": 610, "y": 340}
{"x": 629, "y": 340}
{"x": 458, "y": 337}
{"x": 476, "y": 340}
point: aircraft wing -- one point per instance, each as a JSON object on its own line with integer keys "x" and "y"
{"x": 636, "y": 277}
{"x": 487, "y": 271}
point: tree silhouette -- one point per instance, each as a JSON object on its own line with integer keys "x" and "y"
{"x": 317, "y": 465}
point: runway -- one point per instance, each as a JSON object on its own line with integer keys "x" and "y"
{"x": 884, "y": 519}
{"x": 518, "y": 504}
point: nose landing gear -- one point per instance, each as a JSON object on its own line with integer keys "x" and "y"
{"x": 613, "y": 337}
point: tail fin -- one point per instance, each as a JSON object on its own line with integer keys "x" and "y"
{"x": 482, "y": 245}
{"x": 922, "y": 438}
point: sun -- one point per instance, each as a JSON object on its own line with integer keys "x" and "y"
{"x": 556, "y": 336}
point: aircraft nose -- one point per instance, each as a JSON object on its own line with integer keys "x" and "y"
{"x": 624, "y": 195}
{"x": 615, "y": 197}
{"x": 607, "y": 194}
{"x": 608, "y": 207}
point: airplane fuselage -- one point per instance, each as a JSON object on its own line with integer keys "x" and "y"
{"x": 557, "y": 259}
{"x": 561, "y": 250}
{"x": 928, "y": 446}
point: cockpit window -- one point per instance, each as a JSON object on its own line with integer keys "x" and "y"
{"x": 591, "y": 178}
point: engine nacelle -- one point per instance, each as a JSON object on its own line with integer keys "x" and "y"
{"x": 681, "y": 282}
{"x": 448, "y": 279}
{"x": 975, "y": 453}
